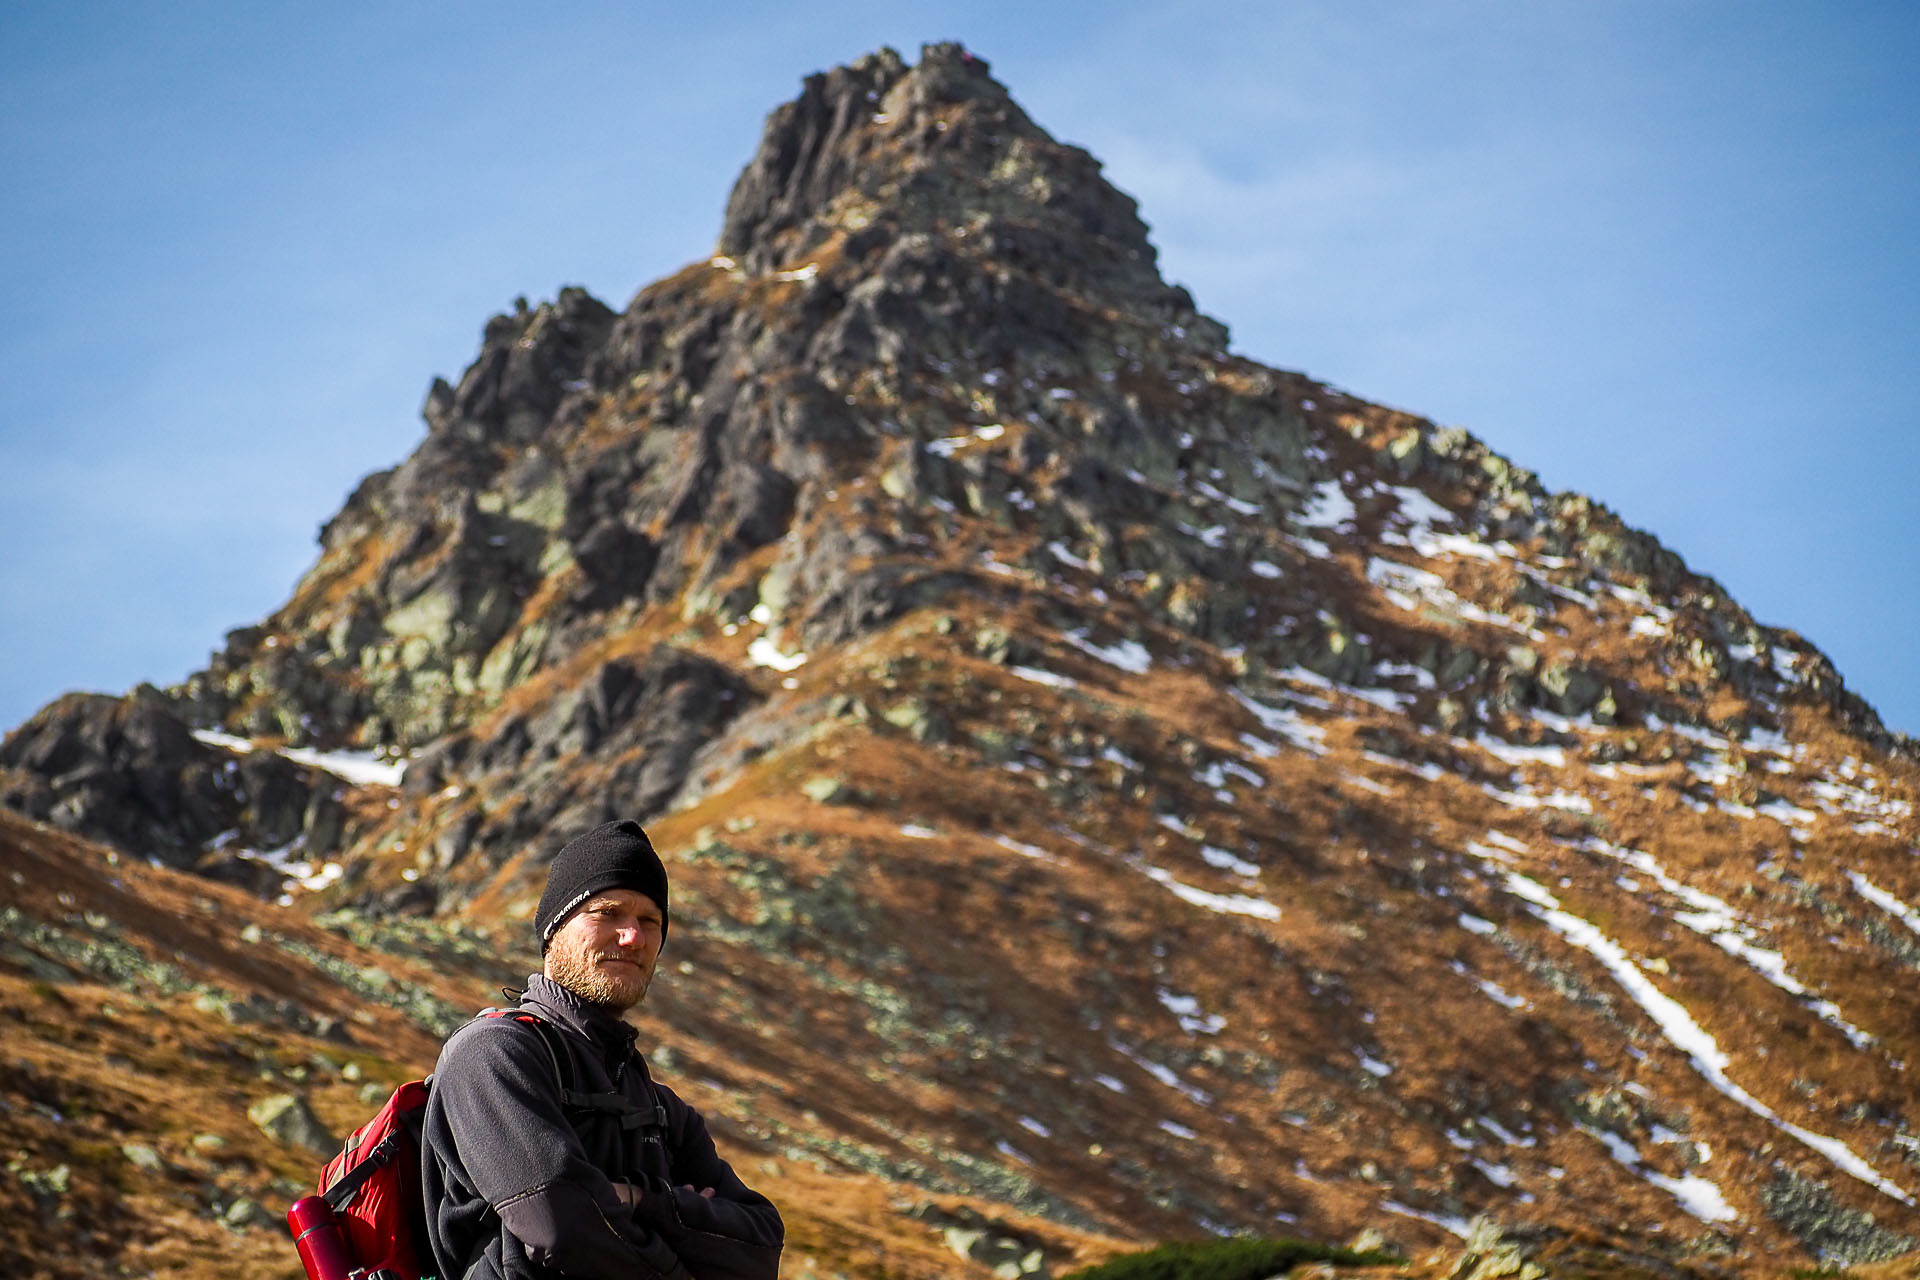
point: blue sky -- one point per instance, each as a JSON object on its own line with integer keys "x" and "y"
{"x": 1661, "y": 253}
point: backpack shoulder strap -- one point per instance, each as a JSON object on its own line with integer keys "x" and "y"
{"x": 557, "y": 1054}
{"x": 630, "y": 1115}
{"x": 656, "y": 1115}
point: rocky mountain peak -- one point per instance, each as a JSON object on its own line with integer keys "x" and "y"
{"x": 1148, "y": 756}
{"x": 879, "y": 150}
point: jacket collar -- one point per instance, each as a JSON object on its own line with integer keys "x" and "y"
{"x": 589, "y": 1019}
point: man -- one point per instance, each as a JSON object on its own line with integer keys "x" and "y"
{"x": 624, "y": 1183}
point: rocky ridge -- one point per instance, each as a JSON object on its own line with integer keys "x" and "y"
{"x": 1109, "y": 778}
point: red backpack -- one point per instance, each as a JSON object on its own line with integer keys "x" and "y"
{"x": 368, "y": 1222}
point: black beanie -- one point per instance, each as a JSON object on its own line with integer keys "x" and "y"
{"x": 615, "y": 856}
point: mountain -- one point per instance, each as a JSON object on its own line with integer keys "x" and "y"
{"x": 1115, "y": 791}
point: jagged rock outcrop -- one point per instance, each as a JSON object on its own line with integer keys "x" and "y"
{"x": 129, "y": 772}
{"x": 619, "y": 743}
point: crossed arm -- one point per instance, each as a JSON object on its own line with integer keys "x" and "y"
{"x": 521, "y": 1154}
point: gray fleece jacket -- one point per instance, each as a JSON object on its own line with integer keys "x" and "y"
{"x": 520, "y": 1187}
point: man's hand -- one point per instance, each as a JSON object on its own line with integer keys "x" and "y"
{"x": 630, "y": 1194}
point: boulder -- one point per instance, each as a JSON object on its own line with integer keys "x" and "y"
{"x": 616, "y": 561}
{"x": 922, "y": 721}
{"x": 1571, "y": 689}
{"x": 826, "y": 789}
{"x": 246, "y": 1214}
{"x": 287, "y": 1119}
{"x": 143, "y": 1157}
{"x": 755, "y": 508}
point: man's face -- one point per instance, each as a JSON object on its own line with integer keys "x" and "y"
{"x": 605, "y": 952}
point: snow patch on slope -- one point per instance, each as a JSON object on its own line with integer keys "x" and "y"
{"x": 362, "y": 768}
{"x": 1684, "y": 1033}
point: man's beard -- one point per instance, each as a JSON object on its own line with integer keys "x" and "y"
{"x": 616, "y": 988}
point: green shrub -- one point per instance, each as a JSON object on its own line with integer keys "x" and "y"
{"x": 1237, "y": 1259}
